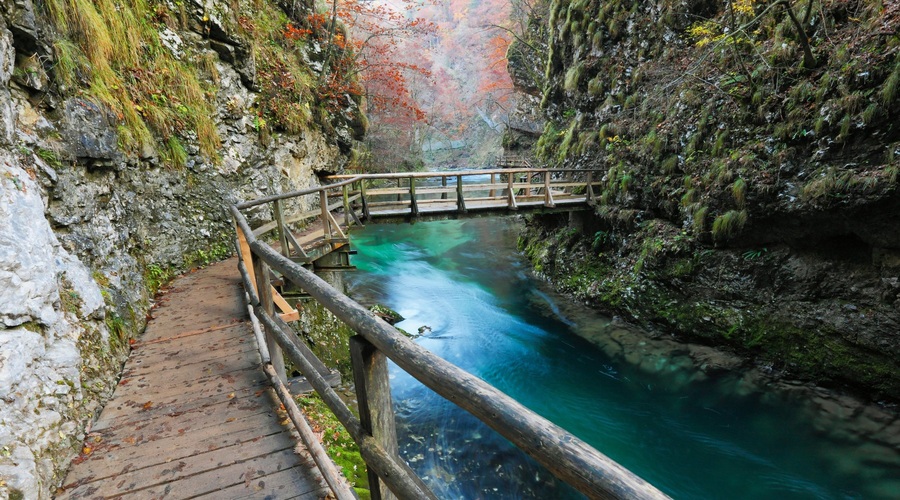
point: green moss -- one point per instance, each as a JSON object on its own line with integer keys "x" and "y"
{"x": 889, "y": 90}
{"x": 573, "y": 77}
{"x": 337, "y": 443}
{"x": 818, "y": 355}
{"x": 739, "y": 191}
{"x": 386, "y": 313}
{"x": 728, "y": 224}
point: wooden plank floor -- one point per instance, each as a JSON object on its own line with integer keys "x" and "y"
{"x": 193, "y": 415}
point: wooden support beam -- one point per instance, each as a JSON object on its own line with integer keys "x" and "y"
{"x": 460, "y": 199}
{"x": 376, "y": 413}
{"x": 589, "y": 191}
{"x": 443, "y": 185}
{"x": 511, "y": 193}
{"x": 346, "y": 192}
{"x": 493, "y": 192}
{"x": 413, "y": 207}
{"x": 365, "y": 203}
{"x": 246, "y": 255}
{"x": 548, "y": 196}
{"x": 264, "y": 288}
{"x": 282, "y": 228}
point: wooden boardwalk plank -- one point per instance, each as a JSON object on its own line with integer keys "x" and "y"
{"x": 193, "y": 414}
{"x": 281, "y": 485}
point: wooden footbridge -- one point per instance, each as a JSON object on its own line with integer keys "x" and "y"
{"x": 199, "y": 410}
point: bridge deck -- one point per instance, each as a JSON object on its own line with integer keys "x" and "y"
{"x": 193, "y": 415}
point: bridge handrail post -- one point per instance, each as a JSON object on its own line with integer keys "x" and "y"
{"x": 264, "y": 292}
{"x": 589, "y": 192}
{"x": 278, "y": 208}
{"x": 413, "y": 206}
{"x": 511, "y": 194}
{"x": 443, "y": 185}
{"x": 376, "y": 413}
{"x": 460, "y": 199}
{"x": 326, "y": 223}
{"x": 493, "y": 192}
{"x": 345, "y": 190}
{"x": 365, "y": 201}
{"x": 548, "y": 196}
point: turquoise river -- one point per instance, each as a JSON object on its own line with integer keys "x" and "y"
{"x": 693, "y": 434}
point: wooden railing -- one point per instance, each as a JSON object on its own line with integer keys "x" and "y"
{"x": 417, "y": 193}
{"x": 563, "y": 454}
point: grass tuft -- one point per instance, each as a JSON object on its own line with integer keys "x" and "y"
{"x": 728, "y": 224}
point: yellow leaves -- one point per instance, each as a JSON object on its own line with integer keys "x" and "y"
{"x": 705, "y": 32}
{"x": 744, "y": 7}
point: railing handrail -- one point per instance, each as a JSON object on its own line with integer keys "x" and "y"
{"x": 454, "y": 173}
{"x": 565, "y": 455}
{"x": 294, "y": 194}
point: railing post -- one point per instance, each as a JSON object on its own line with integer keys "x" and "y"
{"x": 282, "y": 234}
{"x": 493, "y": 192}
{"x": 399, "y": 185}
{"x": 365, "y": 202}
{"x": 373, "y": 395}
{"x": 413, "y": 207}
{"x": 511, "y": 196}
{"x": 326, "y": 223}
{"x": 246, "y": 255}
{"x": 346, "y": 193}
{"x": 548, "y": 197}
{"x": 589, "y": 192}
{"x": 460, "y": 200}
{"x": 443, "y": 185}
{"x": 264, "y": 291}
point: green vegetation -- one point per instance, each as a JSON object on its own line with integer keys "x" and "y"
{"x": 337, "y": 442}
{"x": 70, "y": 300}
{"x": 156, "y": 275}
{"x": 728, "y": 224}
{"x": 112, "y": 53}
{"x": 162, "y": 91}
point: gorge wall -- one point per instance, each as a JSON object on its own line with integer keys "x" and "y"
{"x": 115, "y": 172}
{"x": 749, "y": 153}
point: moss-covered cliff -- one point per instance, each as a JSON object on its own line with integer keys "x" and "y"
{"x": 750, "y": 151}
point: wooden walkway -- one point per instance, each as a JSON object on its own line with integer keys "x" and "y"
{"x": 193, "y": 415}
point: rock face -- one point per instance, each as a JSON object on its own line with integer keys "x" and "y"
{"x": 749, "y": 193}
{"x": 88, "y": 229}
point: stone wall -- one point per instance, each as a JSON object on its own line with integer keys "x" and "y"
{"x": 86, "y": 230}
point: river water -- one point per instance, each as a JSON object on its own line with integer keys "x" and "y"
{"x": 690, "y": 433}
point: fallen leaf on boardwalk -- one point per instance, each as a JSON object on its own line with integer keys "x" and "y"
{"x": 148, "y": 405}
{"x": 130, "y": 440}
{"x": 231, "y": 396}
{"x": 87, "y": 450}
{"x": 232, "y": 419}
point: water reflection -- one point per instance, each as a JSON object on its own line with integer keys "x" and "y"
{"x": 694, "y": 433}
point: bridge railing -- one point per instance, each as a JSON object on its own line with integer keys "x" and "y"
{"x": 564, "y": 455}
{"x": 415, "y": 192}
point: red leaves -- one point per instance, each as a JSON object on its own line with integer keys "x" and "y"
{"x": 291, "y": 32}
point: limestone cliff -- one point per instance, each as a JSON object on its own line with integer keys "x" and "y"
{"x": 749, "y": 152}
{"x": 117, "y": 161}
